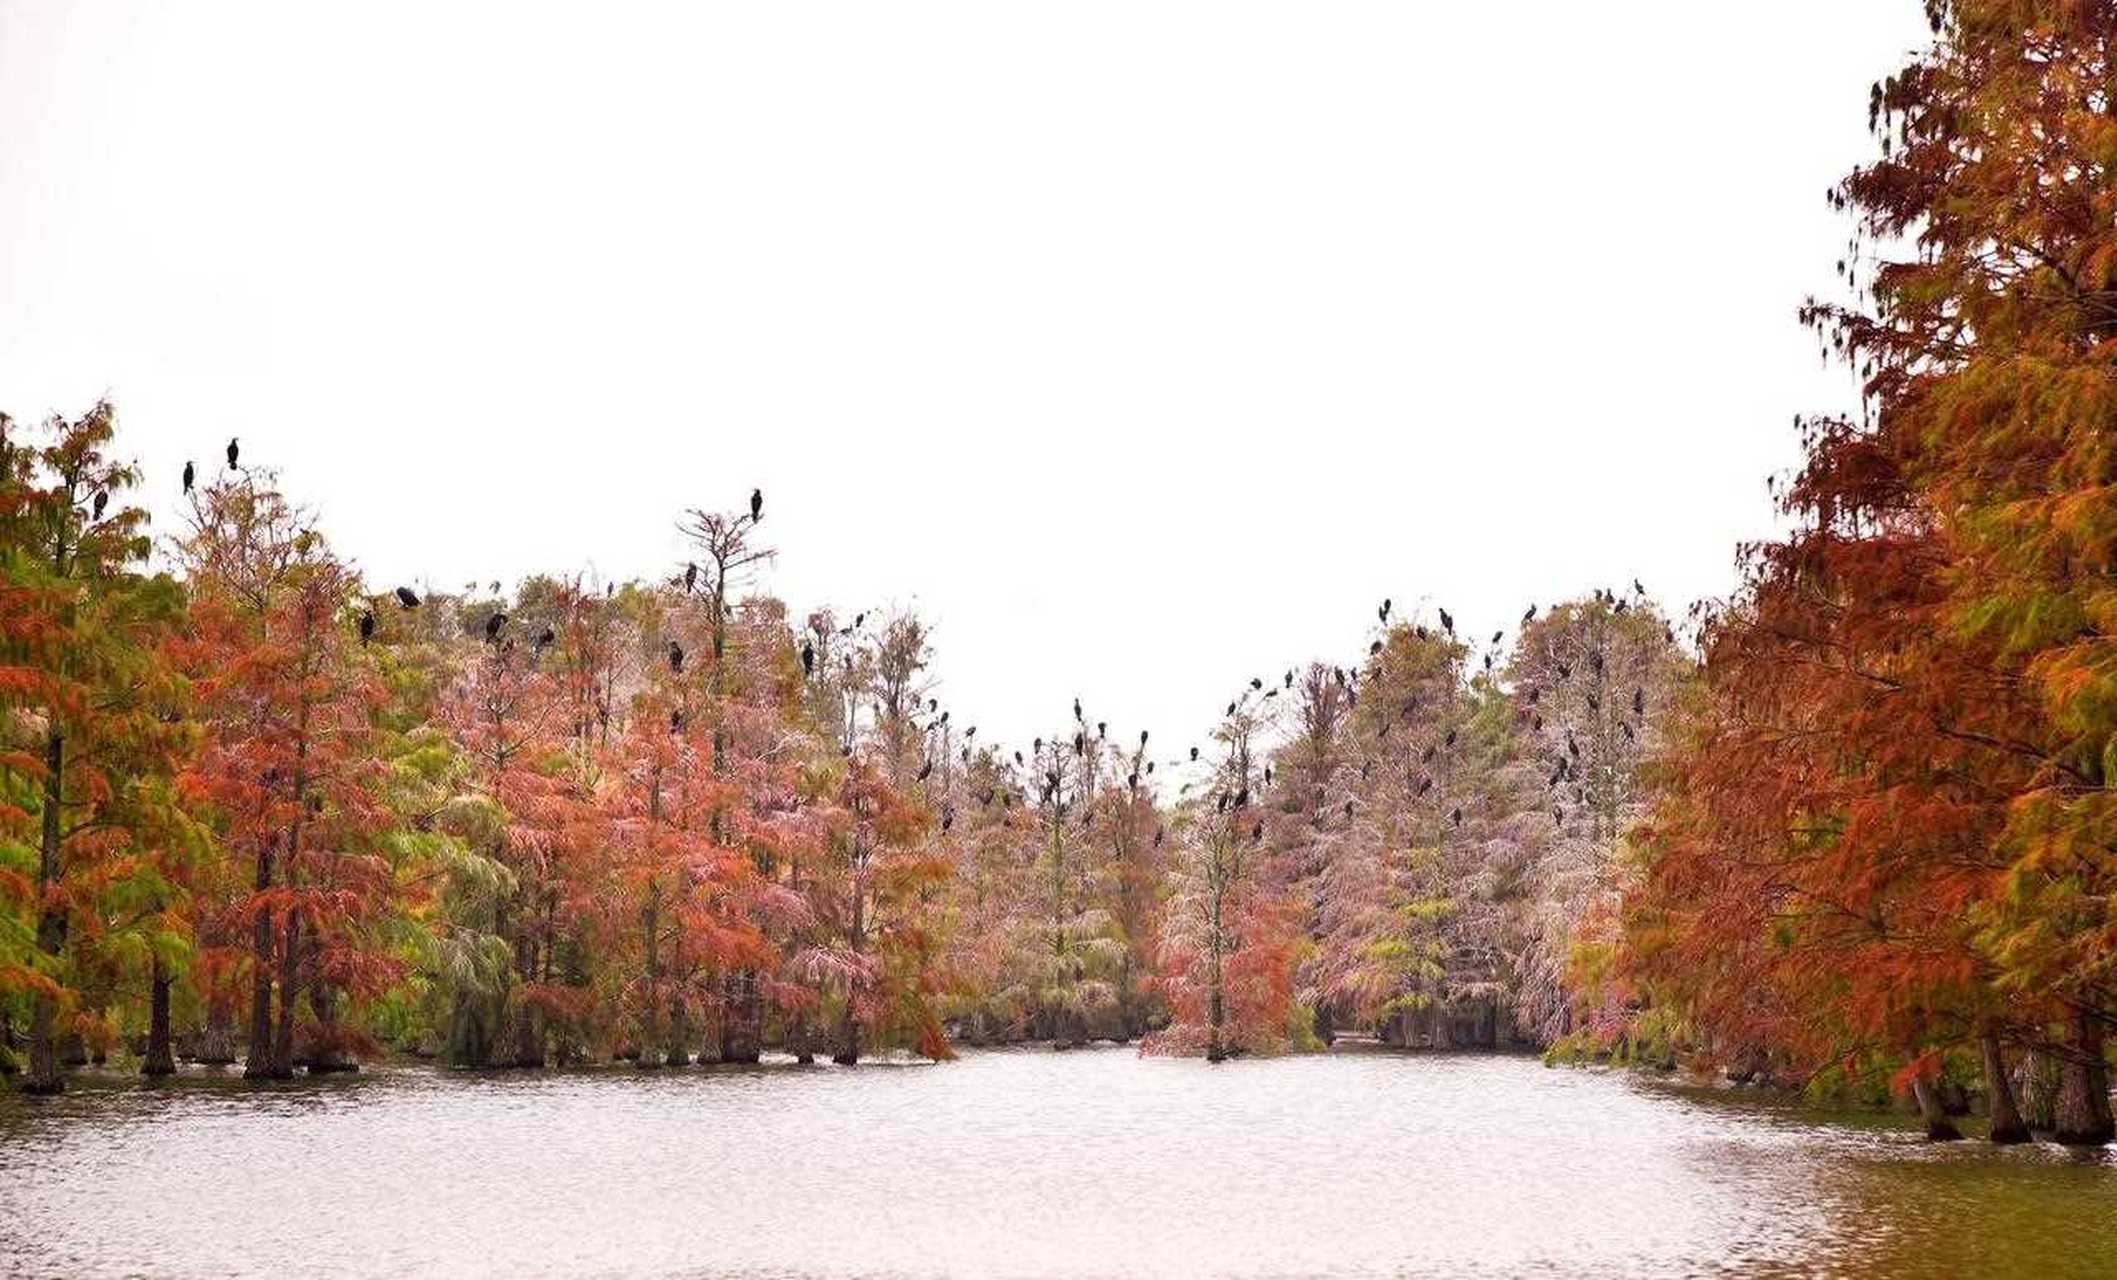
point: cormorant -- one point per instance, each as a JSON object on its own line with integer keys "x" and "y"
{"x": 407, "y": 597}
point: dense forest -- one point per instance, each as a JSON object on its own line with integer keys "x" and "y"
{"x": 259, "y": 808}
{"x": 1852, "y": 831}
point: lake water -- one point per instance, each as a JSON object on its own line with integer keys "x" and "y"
{"x": 1020, "y": 1163}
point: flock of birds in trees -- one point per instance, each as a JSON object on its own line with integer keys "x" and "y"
{"x": 1564, "y": 769}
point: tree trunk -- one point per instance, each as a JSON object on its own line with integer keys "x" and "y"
{"x": 45, "y": 1077}
{"x": 529, "y": 1023}
{"x": 1216, "y": 1010}
{"x": 742, "y": 1029}
{"x": 2083, "y": 1118}
{"x": 2007, "y": 1125}
{"x": 679, "y": 1032}
{"x": 8, "y": 1064}
{"x": 1938, "y": 1127}
{"x": 2036, "y": 1089}
{"x": 161, "y": 1058}
{"x": 650, "y": 1056}
{"x": 289, "y": 992}
{"x": 848, "y": 1037}
{"x": 327, "y": 1057}
{"x": 257, "y": 1064}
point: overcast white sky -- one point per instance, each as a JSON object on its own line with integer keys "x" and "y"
{"x": 1143, "y": 346}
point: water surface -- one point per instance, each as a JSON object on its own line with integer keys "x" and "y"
{"x": 1020, "y": 1164}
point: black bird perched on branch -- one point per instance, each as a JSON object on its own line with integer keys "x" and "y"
{"x": 926, "y": 771}
{"x": 190, "y": 475}
{"x": 407, "y": 597}
{"x": 1639, "y": 702}
{"x": 1383, "y": 612}
{"x": 1637, "y": 589}
{"x": 808, "y": 658}
{"x": 1447, "y": 622}
{"x": 235, "y": 451}
{"x": 1529, "y": 614}
{"x": 690, "y": 577}
{"x": 1348, "y": 810}
{"x": 493, "y": 625}
{"x": 1102, "y": 729}
{"x": 367, "y": 627}
{"x": 676, "y": 657}
{"x": 1076, "y": 708}
{"x": 756, "y": 504}
{"x": 1496, "y": 636}
{"x": 95, "y": 506}
{"x": 1194, "y": 753}
{"x": 1374, "y": 648}
{"x": 1143, "y": 737}
{"x": 1256, "y": 683}
{"x": 1231, "y": 708}
{"x": 1457, "y": 816}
